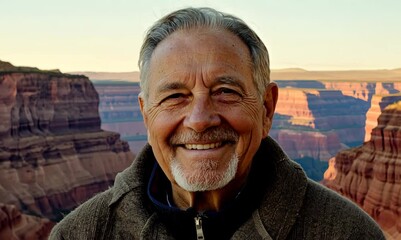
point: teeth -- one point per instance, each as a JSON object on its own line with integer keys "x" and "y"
{"x": 202, "y": 146}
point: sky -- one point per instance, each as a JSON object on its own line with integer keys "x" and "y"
{"x": 106, "y": 35}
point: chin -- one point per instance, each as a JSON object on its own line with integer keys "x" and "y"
{"x": 204, "y": 177}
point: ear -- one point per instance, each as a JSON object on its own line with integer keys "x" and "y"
{"x": 141, "y": 101}
{"x": 269, "y": 103}
{"x": 142, "y": 107}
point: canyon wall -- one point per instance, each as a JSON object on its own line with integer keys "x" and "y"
{"x": 378, "y": 103}
{"x": 315, "y": 119}
{"x": 53, "y": 153}
{"x": 341, "y": 106}
{"x": 119, "y": 111}
{"x": 324, "y": 111}
{"x": 357, "y": 89}
{"x": 370, "y": 175}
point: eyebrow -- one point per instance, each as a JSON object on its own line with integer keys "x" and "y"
{"x": 230, "y": 81}
{"x": 219, "y": 80}
{"x": 170, "y": 86}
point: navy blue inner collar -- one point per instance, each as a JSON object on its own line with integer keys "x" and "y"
{"x": 159, "y": 187}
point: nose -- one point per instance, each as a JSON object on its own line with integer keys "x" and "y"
{"x": 202, "y": 115}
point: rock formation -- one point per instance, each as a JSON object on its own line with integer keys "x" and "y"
{"x": 53, "y": 153}
{"x": 357, "y": 97}
{"x": 119, "y": 111}
{"x": 14, "y": 225}
{"x": 317, "y": 123}
{"x": 317, "y": 118}
{"x": 370, "y": 175}
{"x": 357, "y": 89}
{"x": 378, "y": 103}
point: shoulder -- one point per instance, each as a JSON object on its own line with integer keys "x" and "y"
{"x": 328, "y": 212}
{"x": 86, "y": 221}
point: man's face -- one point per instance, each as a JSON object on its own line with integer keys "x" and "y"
{"x": 204, "y": 117}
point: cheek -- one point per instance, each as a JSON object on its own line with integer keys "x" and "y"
{"x": 158, "y": 122}
{"x": 161, "y": 125}
{"x": 246, "y": 119}
{"x": 248, "y": 123}
{"x": 159, "y": 130}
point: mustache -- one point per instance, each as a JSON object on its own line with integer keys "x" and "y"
{"x": 215, "y": 134}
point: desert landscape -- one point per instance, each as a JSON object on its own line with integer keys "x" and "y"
{"x": 53, "y": 153}
{"x": 64, "y": 137}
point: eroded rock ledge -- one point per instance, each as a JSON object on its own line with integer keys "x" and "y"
{"x": 370, "y": 175}
{"x": 53, "y": 153}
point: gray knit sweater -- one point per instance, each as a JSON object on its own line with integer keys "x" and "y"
{"x": 293, "y": 207}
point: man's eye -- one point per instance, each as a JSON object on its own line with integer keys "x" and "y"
{"x": 226, "y": 91}
{"x": 175, "y": 95}
{"x": 173, "y": 98}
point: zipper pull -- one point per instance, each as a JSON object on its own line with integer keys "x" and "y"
{"x": 198, "y": 226}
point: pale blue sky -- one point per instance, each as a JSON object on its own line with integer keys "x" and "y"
{"x": 105, "y": 35}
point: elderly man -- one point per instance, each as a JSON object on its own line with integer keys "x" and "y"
{"x": 210, "y": 171}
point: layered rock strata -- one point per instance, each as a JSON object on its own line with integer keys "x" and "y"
{"x": 352, "y": 123}
{"x": 53, "y": 153}
{"x": 317, "y": 123}
{"x": 119, "y": 111}
{"x": 357, "y": 89}
{"x": 378, "y": 103}
{"x": 370, "y": 175}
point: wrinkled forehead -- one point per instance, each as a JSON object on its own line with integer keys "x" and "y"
{"x": 198, "y": 49}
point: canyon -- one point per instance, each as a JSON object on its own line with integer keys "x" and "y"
{"x": 318, "y": 118}
{"x": 119, "y": 111}
{"x": 370, "y": 174}
{"x": 53, "y": 153}
{"x": 63, "y": 138}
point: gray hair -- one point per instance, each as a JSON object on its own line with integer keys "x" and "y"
{"x": 190, "y": 18}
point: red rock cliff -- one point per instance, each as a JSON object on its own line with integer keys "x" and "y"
{"x": 317, "y": 123}
{"x": 53, "y": 154}
{"x": 370, "y": 175}
{"x": 358, "y": 89}
{"x": 378, "y": 103}
{"x": 319, "y": 111}
{"x": 14, "y": 225}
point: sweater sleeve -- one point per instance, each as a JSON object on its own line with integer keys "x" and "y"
{"x": 331, "y": 216}
{"x": 366, "y": 229}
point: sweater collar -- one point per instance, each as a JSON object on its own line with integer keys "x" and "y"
{"x": 284, "y": 197}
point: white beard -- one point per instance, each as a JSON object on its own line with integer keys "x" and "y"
{"x": 204, "y": 177}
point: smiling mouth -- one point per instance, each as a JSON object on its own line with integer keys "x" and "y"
{"x": 203, "y": 146}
